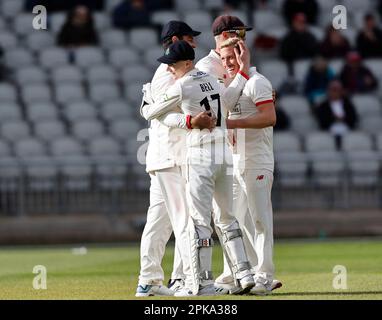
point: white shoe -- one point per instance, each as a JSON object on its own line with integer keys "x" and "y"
{"x": 175, "y": 284}
{"x": 274, "y": 285}
{"x": 203, "y": 291}
{"x": 259, "y": 289}
{"x": 184, "y": 292}
{"x": 153, "y": 290}
{"x": 207, "y": 290}
{"x": 223, "y": 288}
{"x": 224, "y": 284}
{"x": 264, "y": 288}
{"x": 246, "y": 284}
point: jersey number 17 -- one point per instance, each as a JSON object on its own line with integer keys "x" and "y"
{"x": 204, "y": 103}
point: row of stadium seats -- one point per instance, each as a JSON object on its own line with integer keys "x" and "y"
{"x": 71, "y": 112}
{"x": 138, "y": 67}
{"x": 98, "y": 93}
{"x": 264, "y": 19}
{"x": 320, "y": 141}
{"x": 104, "y": 100}
{"x": 84, "y": 130}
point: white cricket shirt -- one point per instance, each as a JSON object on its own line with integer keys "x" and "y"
{"x": 254, "y": 147}
{"x": 212, "y": 65}
{"x": 165, "y": 142}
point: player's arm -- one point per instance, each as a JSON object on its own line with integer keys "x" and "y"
{"x": 265, "y": 117}
{"x": 166, "y": 103}
{"x": 263, "y": 97}
{"x": 203, "y": 120}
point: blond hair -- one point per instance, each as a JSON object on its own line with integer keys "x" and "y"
{"x": 230, "y": 42}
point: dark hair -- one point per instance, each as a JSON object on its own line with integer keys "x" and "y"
{"x": 71, "y": 13}
{"x": 368, "y": 16}
{"x": 168, "y": 42}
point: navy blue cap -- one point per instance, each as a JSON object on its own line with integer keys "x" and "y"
{"x": 228, "y": 23}
{"x": 177, "y": 28}
{"x": 178, "y": 51}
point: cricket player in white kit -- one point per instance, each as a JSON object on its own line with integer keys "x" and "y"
{"x": 168, "y": 207}
{"x": 253, "y": 117}
{"x": 207, "y": 170}
{"x": 223, "y": 28}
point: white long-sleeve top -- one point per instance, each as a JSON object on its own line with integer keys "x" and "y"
{"x": 165, "y": 142}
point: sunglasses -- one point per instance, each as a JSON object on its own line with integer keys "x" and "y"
{"x": 240, "y": 32}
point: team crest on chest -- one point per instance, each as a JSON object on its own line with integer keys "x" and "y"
{"x": 236, "y": 109}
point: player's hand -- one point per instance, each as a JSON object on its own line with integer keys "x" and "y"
{"x": 203, "y": 120}
{"x": 243, "y": 56}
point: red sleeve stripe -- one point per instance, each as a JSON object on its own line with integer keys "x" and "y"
{"x": 263, "y": 102}
{"x": 188, "y": 121}
{"x": 243, "y": 74}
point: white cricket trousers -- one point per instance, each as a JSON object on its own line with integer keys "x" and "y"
{"x": 205, "y": 183}
{"x": 253, "y": 209}
{"x": 167, "y": 212}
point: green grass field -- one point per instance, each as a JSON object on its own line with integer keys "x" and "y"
{"x": 111, "y": 272}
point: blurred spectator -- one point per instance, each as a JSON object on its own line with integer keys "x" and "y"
{"x": 317, "y": 80}
{"x": 2, "y": 66}
{"x": 334, "y": 45}
{"x": 131, "y": 13}
{"x": 65, "y": 5}
{"x": 369, "y": 40}
{"x": 154, "y": 5}
{"x": 355, "y": 76}
{"x": 299, "y": 43}
{"x": 283, "y": 121}
{"x": 336, "y": 114}
{"x": 78, "y": 30}
{"x": 230, "y": 5}
{"x": 308, "y": 7}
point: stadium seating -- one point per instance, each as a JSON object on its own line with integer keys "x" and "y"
{"x": 38, "y": 112}
{"x": 11, "y": 8}
{"x": 8, "y": 40}
{"x": 54, "y": 57}
{"x": 31, "y": 74}
{"x": 328, "y": 169}
{"x": 36, "y": 93}
{"x": 87, "y": 57}
{"x": 71, "y": 107}
{"x": 142, "y": 38}
{"x": 163, "y": 16}
{"x": 38, "y": 41}
{"x": 49, "y": 130}
{"x": 18, "y": 58}
{"x": 66, "y": 73}
{"x": 9, "y": 111}
{"x": 113, "y": 38}
{"x": 120, "y": 57}
{"x": 80, "y": 110}
{"x": 86, "y": 130}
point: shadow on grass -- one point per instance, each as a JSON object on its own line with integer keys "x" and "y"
{"x": 334, "y": 293}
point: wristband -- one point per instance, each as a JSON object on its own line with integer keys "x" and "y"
{"x": 188, "y": 121}
{"x": 243, "y": 74}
